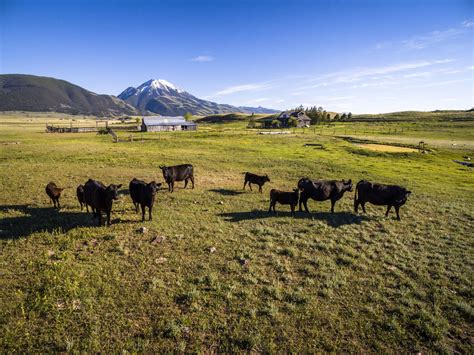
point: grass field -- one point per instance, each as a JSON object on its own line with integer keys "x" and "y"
{"x": 317, "y": 282}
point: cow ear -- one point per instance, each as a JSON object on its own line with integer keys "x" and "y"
{"x": 350, "y": 181}
{"x": 119, "y": 186}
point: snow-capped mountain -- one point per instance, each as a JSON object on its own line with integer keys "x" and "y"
{"x": 162, "y": 97}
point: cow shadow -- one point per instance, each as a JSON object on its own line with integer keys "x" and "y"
{"x": 335, "y": 219}
{"x": 40, "y": 219}
{"x": 227, "y": 192}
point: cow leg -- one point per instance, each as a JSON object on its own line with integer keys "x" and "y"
{"x": 306, "y": 205}
{"x": 356, "y": 206}
{"x": 260, "y": 188}
{"x": 108, "y": 218}
{"x": 149, "y": 212}
{"x": 143, "y": 213}
{"x": 333, "y": 202}
{"x": 57, "y": 200}
{"x": 270, "y": 208}
{"x": 250, "y": 185}
{"x": 87, "y": 207}
{"x": 192, "y": 181}
{"x": 245, "y": 183}
{"x": 292, "y": 209}
{"x": 388, "y": 210}
{"x": 363, "y": 207}
{"x": 100, "y": 218}
{"x": 185, "y": 183}
{"x": 397, "y": 209}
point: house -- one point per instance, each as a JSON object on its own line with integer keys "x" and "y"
{"x": 302, "y": 120}
{"x": 167, "y": 123}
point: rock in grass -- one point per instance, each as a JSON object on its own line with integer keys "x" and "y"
{"x": 160, "y": 260}
{"x": 143, "y": 230}
{"x": 212, "y": 250}
{"x": 157, "y": 240}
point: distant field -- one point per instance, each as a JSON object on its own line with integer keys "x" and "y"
{"x": 313, "y": 283}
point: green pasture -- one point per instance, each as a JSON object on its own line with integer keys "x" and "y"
{"x": 215, "y": 272}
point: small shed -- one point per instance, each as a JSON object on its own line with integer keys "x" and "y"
{"x": 167, "y": 123}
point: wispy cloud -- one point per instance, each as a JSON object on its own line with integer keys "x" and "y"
{"x": 203, "y": 58}
{"x": 242, "y": 88}
{"x": 468, "y": 23}
{"x": 418, "y": 42}
{"x": 371, "y": 73}
{"x": 259, "y": 100}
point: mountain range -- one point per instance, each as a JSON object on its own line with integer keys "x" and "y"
{"x": 162, "y": 97}
{"x": 20, "y": 92}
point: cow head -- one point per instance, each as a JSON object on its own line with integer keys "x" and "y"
{"x": 267, "y": 178}
{"x": 154, "y": 186}
{"x": 347, "y": 185}
{"x": 403, "y": 197}
{"x": 166, "y": 172}
{"x": 302, "y": 182}
{"x": 112, "y": 191}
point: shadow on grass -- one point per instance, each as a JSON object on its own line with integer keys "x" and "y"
{"x": 335, "y": 220}
{"x": 41, "y": 219}
{"x": 227, "y": 192}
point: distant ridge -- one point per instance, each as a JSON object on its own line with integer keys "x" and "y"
{"x": 20, "y": 92}
{"x": 162, "y": 97}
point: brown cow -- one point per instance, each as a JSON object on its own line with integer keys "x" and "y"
{"x": 80, "y": 197}
{"x": 100, "y": 198}
{"x": 54, "y": 193}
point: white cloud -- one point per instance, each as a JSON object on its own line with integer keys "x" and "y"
{"x": 420, "y": 42}
{"x": 203, "y": 58}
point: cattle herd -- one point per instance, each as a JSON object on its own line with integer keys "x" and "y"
{"x": 99, "y": 197}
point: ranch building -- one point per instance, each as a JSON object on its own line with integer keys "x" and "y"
{"x": 167, "y": 123}
{"x": 302, "y": 120}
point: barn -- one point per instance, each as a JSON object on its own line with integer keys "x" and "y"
{"x": 167, "y": 123}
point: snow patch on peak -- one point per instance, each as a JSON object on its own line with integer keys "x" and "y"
{"x": 159, "y": 84}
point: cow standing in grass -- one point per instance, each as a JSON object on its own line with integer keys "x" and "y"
{"x": 183, "y": 172}
{"x": 100, "y": 198}
{"x": 284, "y": 198}
{"x": 54, "y": 193}
{"x": 143, "y": 195}
{"x": 381, "y": 195}
{"x": 255, "y": 179}
{"x": 80, "y": 197}
{"x": 322, "y": 190}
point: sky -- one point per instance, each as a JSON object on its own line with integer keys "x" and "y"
{"x": 358, "y": 56}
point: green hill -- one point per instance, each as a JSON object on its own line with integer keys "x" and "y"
{"x": 20, "y": 92}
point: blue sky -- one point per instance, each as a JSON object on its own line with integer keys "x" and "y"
{"x": 359, "y": 56}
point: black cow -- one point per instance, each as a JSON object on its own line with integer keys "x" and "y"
{"x": 322, "y": 190}
{"x": 284, "y": 198}
{"x": 100, "y": 198}
{"x": 80, "y": 197}
{"x": 178, "y": 173}
{"x": 54, "y": 194}
{"x": 143, "y": 194}
{"x": 255, "y": 179}
{"x": 381, "y": 195}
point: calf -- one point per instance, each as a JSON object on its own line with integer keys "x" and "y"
{"x": 284, "y": 198}
{"x": 100, "y": 198}
{"x": 178, "y": 173}
{"x": 143, "y": 194}
{"x": 255, "y": 179}
{"x": 381, "y": 195}
{"x": 80, "y": 197}
{"x": 54, "y": 194}
{"x": 322, "y": 190}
